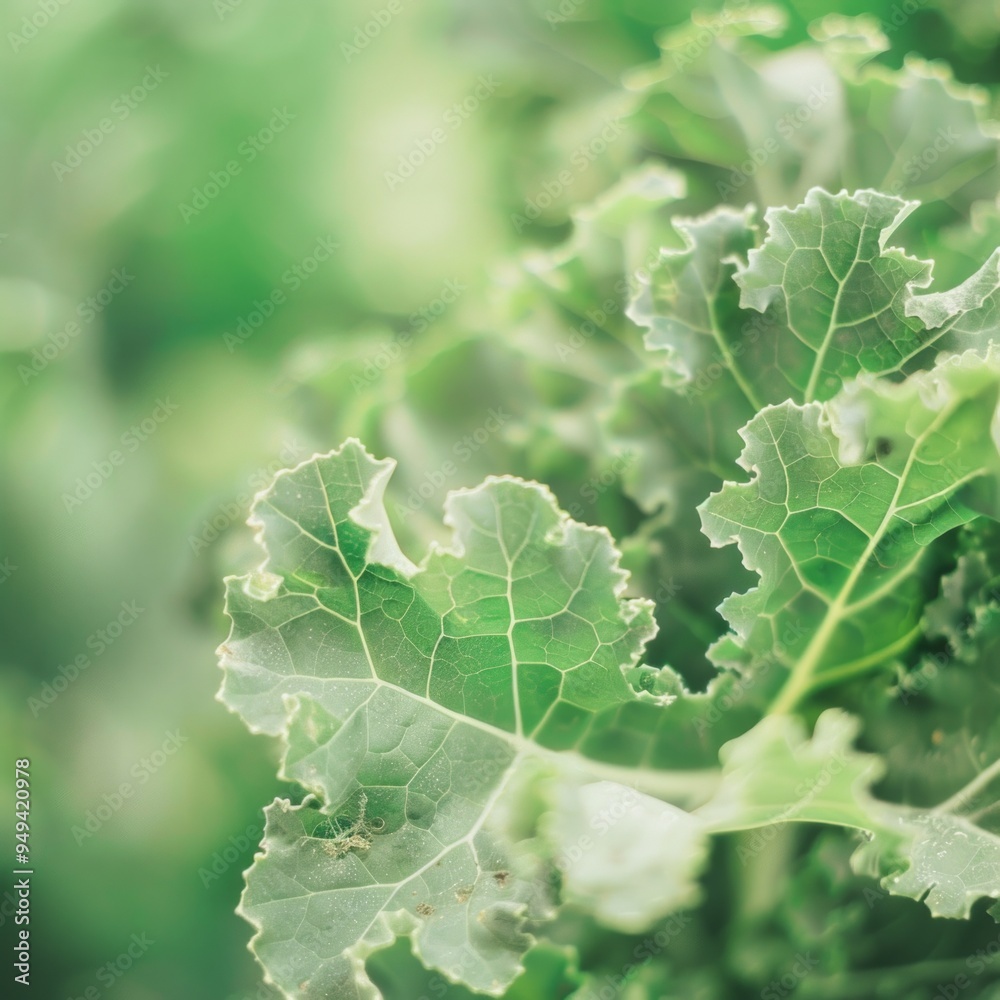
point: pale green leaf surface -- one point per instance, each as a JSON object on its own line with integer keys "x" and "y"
{"x": 690, "y": 309}
{"x": 966, "y": 317}
{"x": 680, "y": 419}
{"x": 951, "y": 864}
{"x": 766, "y": 126}
{"x": 845, "y": 499}
{"x": 614, "y": 238}
{"x": 838, "y": 290}
{"x": 823, "y": 299}
{"x": 775, "y": 773}
{"x": 408, "y": 698}
{"x": 917, "y": 131}
{"x": 682, "y": 440}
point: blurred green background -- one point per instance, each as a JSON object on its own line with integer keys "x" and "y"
{"x": 207, "y": 272}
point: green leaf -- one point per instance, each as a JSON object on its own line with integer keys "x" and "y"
{"x": 704, "y": 99}
{"x": 755, "y": 124}
{"x": 775, "y": 773}
{"x": 967, "y": 611}
{"x": 951, "y": 864}
{"x": 588, "y": 278}
{"x": 691, "y": 309}
{"x": 966, "y": 317}
{"x": 845, "y": 500}
{"x": 938, "y": 732}
{"x": 837, "y": 289}
{"x": 946, "y": 855}
{"x": 679, "y": 447}
{"x": 679, "y": 424}
{"x": 822, "y": 300}
{"x": 550, "y": 972}
{"x": 409, "y": 699}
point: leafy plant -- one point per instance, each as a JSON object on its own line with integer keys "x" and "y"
{"x": 483, "y": 740}
{"x": 731, "y": 670}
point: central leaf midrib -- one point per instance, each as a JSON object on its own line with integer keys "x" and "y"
{"x": 727, "y": 354}
{"x": 834, "y": 324}
{"x": 662, "y": 783}
{"x": 802, "y": 675}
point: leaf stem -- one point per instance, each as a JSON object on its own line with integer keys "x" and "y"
{"x": 817, "y": 368}
{"x": 729, "y": 357}
{"x": 977, "y": 784}
{"x": 696, "y": 786}
{"x": 802, "y": 676}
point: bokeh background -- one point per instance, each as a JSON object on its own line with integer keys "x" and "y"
{"x": 213, "y": 264}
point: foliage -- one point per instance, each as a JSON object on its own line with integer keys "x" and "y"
{"x": 505, "y": 743}
{"x": 723, "y": 279}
